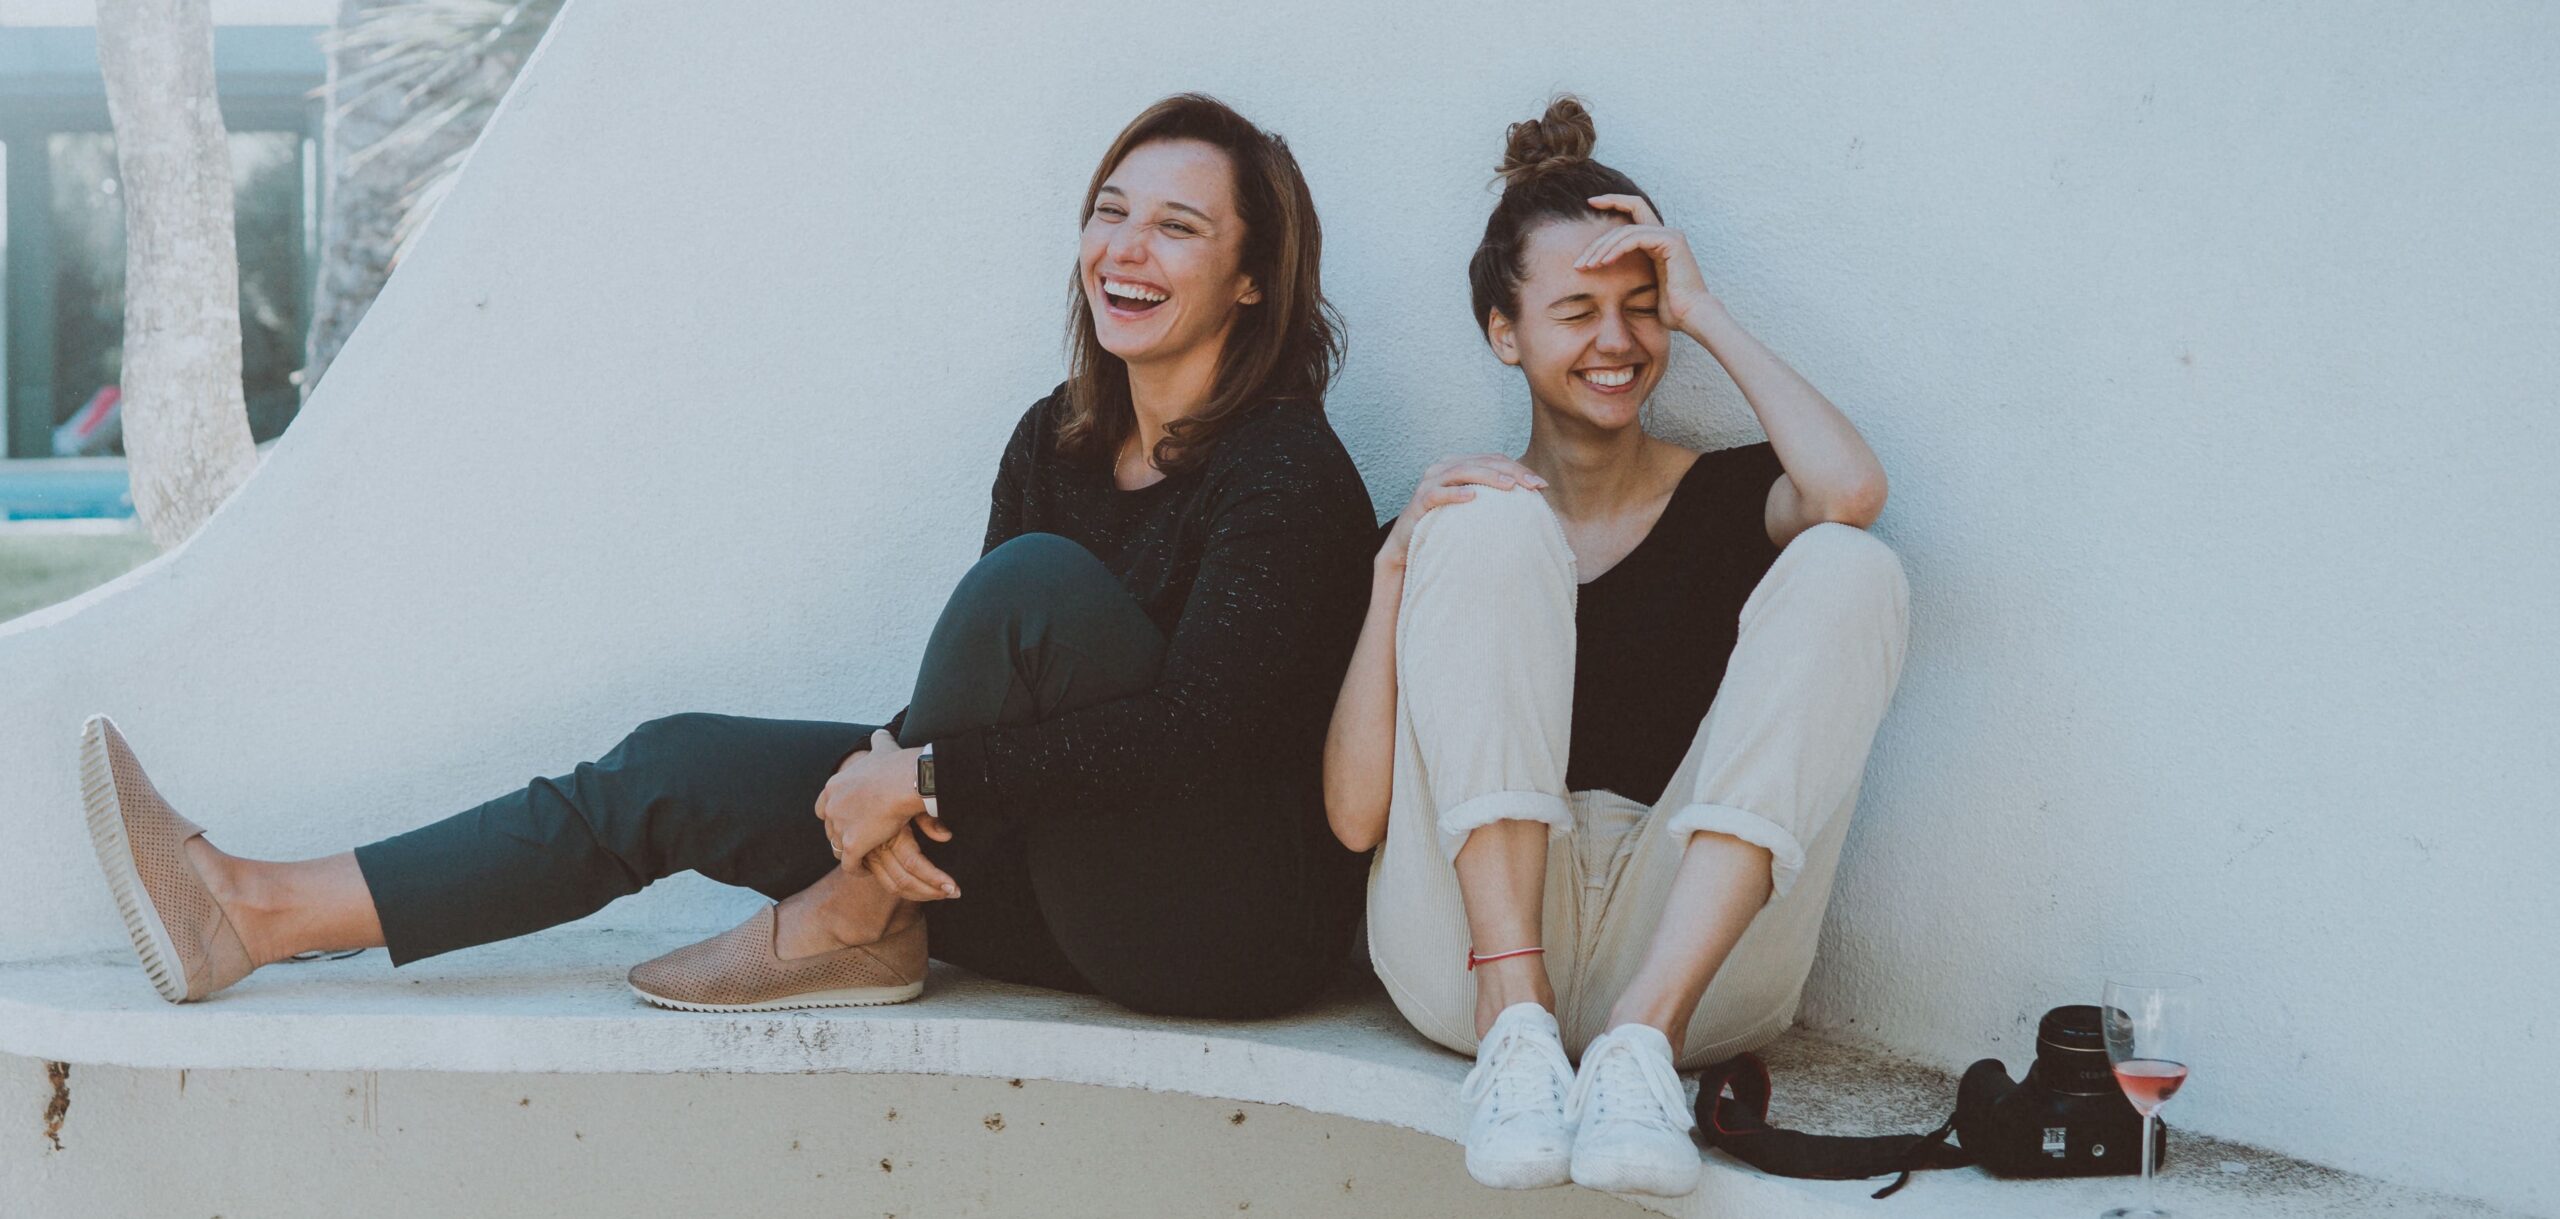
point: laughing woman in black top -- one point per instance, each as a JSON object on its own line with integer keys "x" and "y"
{"x": 1607, "y": 719}
{"x": 1107, "y": 778}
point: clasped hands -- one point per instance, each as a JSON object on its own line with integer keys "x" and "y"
{"x": 872, "y": 814}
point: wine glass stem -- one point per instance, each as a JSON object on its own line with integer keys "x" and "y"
{"x": 2150, "y": 1193}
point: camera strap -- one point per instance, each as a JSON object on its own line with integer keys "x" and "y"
{"x": 1733, "y": 1116}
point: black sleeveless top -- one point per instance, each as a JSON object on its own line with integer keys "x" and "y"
{"x": 1652, "y": 634}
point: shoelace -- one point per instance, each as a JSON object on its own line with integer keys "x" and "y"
{"x": 1614, "y": 1057}
{"x": 1510, "y": 1065}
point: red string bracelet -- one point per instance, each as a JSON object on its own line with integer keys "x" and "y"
{"x": 1473, "y": 960}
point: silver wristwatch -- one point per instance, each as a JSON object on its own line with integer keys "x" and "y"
{"x": 924, "y": 782}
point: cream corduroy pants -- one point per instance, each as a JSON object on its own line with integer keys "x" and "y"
{"x": 1484, "y": 700}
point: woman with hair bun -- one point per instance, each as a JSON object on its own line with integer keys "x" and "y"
{"x": 1608, "y": 716}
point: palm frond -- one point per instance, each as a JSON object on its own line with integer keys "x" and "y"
{"x": 447, "y": 62}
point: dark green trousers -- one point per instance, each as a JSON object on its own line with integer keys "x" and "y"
{"x": 1165, "y": 910}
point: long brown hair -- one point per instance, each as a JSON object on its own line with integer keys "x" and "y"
{"x": 1547, "y": 174}
{"x": 1286, "y": 345}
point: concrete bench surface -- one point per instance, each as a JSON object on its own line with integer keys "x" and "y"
{"x": 557, "y": 1003}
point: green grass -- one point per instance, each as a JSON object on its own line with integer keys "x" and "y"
{"x": 39, "y": 569}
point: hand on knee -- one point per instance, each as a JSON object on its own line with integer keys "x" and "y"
{"x": 1498, "y": 540}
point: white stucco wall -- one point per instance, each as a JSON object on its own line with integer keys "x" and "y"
{"x": 2210, "y": 349}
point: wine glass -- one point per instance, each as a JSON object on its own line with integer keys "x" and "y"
{"x": 2150, "y": 1021}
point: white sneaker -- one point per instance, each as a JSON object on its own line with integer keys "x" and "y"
{"x": 1632, "y": 1117}
{"x": 1518, "y": 1137}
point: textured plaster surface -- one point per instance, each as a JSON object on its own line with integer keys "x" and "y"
{"x": 555, "y": 1004}
{"x": 2209, "y": 348}
{"x": 407, "y": 1145}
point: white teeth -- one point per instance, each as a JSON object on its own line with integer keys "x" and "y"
{"x": 1611, "y": 377}
{"x": 1131, "y": 291}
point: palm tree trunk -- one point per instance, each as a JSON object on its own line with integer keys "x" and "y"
{"x": 186, "y": 423}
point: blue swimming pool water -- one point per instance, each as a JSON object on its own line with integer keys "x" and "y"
{"x": 45, "y": 490}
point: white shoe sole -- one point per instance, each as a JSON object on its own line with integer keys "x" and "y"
{"x": 1629, "y": 1177}
{"x": 151, "y": 939}
{"x": 857, "y": 996}
{"x": 1518, "y": 1176}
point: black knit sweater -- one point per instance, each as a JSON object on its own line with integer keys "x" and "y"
{"x": 1255, "y": 565}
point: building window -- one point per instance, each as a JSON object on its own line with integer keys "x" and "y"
{"x": 62, "y": 256}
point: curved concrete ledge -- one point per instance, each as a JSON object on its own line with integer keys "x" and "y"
{"x": 556, "y": 1003}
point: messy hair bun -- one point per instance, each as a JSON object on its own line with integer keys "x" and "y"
{"x": 1547, "y": 174}
{"x": 1557, "y": 140}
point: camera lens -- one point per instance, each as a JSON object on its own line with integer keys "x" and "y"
{"x": 2071, "y": 1051}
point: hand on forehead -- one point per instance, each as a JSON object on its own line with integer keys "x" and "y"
{"x": 1554, "y": 247}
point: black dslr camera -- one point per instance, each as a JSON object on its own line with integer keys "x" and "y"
{"x": 2068, "y": 1118}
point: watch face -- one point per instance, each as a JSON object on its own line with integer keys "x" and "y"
{"x": 924, "y": 775}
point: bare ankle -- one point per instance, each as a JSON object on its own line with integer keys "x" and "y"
{"x": 1634, "y": 1009}
{"x": 241, "y": 893}
{"x": 841, "y": 911}
{"x": 869, "y": 924}
{"x": 1512, "y": 980}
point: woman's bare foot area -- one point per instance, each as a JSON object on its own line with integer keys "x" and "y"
{"x": 1509, "y": 980}
{"x": 841, "y": 910}
{"x": 223, "y": 877}
{"x": 281, "y": 909}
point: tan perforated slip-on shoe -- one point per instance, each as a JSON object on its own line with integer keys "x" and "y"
{"x": 739, "y": 971}
{"x": 187, "y": 945}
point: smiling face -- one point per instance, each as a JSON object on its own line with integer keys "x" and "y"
{"x": 1591, "y": 343}
{"x": 1161, "y": 262}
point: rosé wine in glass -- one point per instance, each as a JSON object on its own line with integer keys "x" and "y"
{"x": 2150, "y": 1082}
{"x": 2149, "y": 1021}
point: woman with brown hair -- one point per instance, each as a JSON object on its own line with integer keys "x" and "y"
{"x": 1108, "y": 776}
{"x": 1607, "y": 719}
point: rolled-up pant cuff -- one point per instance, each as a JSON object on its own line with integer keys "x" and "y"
{"x": 1466, "y": 816}
{"x": 1786, "y": 855}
